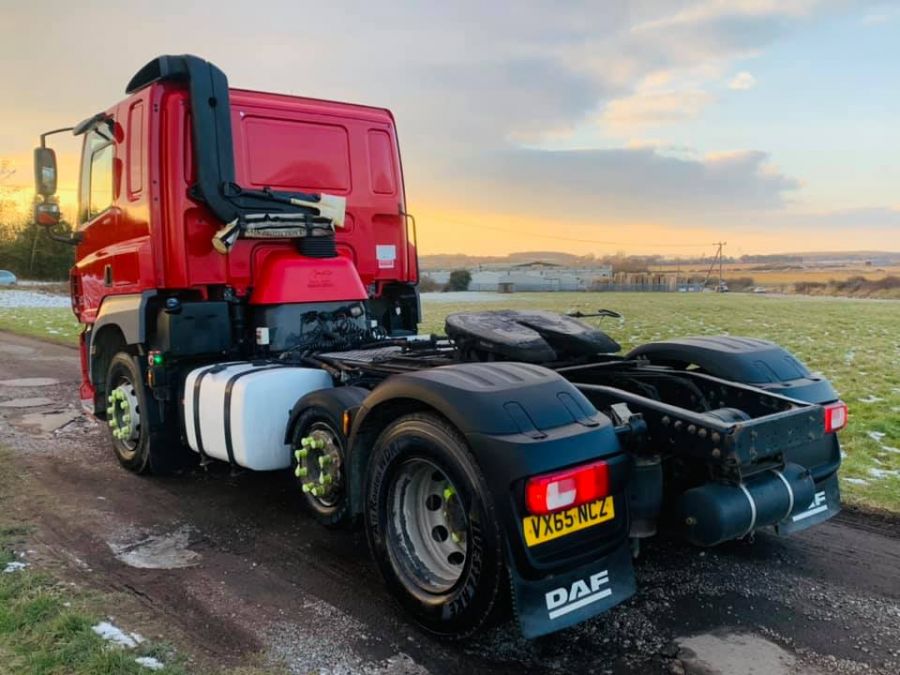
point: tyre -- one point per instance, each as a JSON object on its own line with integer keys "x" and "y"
{"x": 432, "y": 528}
{"x": 127, "y": 413}
{"x": 318, "y": 452}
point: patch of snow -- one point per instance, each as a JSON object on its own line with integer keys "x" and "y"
{"x": 112, "y": 633}
{"x": 890, "y": 448}
{"x": 18, "y": 299}
{"x": 856, "y": 481}
{"x": 876, "y": 436}
{"x": 871, "y": 399}
{"x": 881, "y": 474}
{"x": 149, "y": 662}
{"x": 14, "y": 567}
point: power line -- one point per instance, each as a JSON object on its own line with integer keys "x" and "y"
{"x": 510, "y": 230}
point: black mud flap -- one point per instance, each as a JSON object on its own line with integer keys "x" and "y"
{"x": 562, "y": 600}
{"x": 825, "y": 504}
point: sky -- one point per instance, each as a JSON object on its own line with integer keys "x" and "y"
{"x": 651, "y": 126}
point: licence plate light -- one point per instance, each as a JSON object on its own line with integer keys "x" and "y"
{"x": 567, "y": 488}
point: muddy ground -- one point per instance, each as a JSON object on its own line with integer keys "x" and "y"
{"x": 228, "y": 569}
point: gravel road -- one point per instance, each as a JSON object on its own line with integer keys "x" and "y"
{"x": 231, "y": 567}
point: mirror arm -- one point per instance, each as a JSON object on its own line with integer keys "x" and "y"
{"x": 73, "y": 239}
{"x": 50, "y": 133}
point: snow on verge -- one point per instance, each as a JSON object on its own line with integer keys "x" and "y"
{"x": 19, "y": 299}
{"x": 14, "y": 567}
{"x": 114, "y": 634}
{"x": 149, "y": 662}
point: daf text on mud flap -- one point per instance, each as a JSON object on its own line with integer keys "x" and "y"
{"x": 561, "y": 601}
{"x": 817, "y": 505}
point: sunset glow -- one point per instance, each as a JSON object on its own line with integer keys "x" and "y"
{"x": 586, "y": 128}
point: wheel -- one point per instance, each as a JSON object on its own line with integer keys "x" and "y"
{"x": 126, "y": 413}
{"x": 318, "y": 452}
{"x": 432, "y": 528}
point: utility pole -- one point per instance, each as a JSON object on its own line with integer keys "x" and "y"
{"x": 712, "y": 265}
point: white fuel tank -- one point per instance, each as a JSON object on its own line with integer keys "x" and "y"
{"x": 238, "y": 412}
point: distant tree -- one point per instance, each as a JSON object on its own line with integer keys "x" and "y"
{"x": 428, "y": 285}
{"x": 459, "y": 280}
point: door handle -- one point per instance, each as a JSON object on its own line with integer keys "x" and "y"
{"x": 107, "y": 276}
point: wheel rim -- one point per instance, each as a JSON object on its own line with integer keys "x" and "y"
{"x": 428, "y": 536}
{"x": 318, "y": 465}
{"x": 123, "y": 415}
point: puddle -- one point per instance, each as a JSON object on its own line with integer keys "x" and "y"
{"x": 158, "y": 552}
{"x": 45, "y": 423}
{"x": 737, "y": 654}
{"x": 29, "y": 382}
{"x": 35, "y": 402}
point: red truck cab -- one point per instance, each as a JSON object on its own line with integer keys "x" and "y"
{"x": 144, "y": 231}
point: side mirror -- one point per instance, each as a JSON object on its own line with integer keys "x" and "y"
{"x": 46, "y": 214}
{"x": 45, "y": 171}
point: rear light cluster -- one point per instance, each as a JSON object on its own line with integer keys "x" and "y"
{"x": 567, "y": 488}
{"x": 836, "y": 416}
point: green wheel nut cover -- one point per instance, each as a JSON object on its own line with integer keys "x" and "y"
{"x": 305, "y": 441}
{"x": 448, "y": 493}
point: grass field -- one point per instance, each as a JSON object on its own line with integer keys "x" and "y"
{"x": 856, "y": 343}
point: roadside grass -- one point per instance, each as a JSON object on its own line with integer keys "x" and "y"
{"x": 55, "y": 324}
{"x": 46, "y": 624}
{"x": 856, "y": 343}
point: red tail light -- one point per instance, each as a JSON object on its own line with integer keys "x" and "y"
{"x": 836, "y": 415}
{"x": 567, "y": 488}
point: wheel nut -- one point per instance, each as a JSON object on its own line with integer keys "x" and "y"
{"x": 305, "y": 441}
{"x": 300, "y": 472}
{"x": 301, "y": 454}
{"x": 325, "y": 479}
{"x": 123, "y": 405}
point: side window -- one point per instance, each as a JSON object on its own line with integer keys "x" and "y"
{"x": 96, "y": 194}
{"x": 135, "y": 149}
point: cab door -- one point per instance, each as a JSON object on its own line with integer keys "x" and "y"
{"x": 108, "y": 257}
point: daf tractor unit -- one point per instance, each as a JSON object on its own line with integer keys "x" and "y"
{"x": 246, "y": 276}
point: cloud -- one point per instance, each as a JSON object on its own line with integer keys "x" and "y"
{"x": 637, "y": 182}
{"x": 852, "y": 220}
{"x": 654, "y": 109}
{"x": 742, "y": 81}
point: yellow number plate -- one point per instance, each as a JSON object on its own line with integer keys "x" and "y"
{"x": 540, "y": 529}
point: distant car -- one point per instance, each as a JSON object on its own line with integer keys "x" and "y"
{"x": 7, "y": 278}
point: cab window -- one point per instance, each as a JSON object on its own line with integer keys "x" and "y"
{"x": 96, "y": 193}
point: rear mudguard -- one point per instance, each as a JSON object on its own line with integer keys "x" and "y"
{"x": 521, "y": 420}
{"x": 766, "y": 365}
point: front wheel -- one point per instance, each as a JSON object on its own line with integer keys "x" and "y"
{"x": 432, "y": 528}
{"x": 127, "y": 413}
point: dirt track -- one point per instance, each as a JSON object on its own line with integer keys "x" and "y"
{"x": 251, "y": 573}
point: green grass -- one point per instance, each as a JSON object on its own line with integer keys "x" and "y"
{"x": 856, "y": 343}
{"x": 56, "y": 324}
